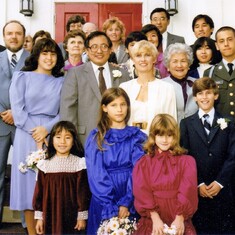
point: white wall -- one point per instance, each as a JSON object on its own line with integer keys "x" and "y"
{"x": 221, "y": 11}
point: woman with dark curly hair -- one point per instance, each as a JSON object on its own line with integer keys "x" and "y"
{"x": 35, "y": 98}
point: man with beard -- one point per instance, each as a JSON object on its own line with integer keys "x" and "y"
{"x": 12, "y": 59}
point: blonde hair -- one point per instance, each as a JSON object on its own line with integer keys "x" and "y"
{"x": 115, "y": 20}
{"x": 145, "y": 46}
{"x": 164, "y": 124}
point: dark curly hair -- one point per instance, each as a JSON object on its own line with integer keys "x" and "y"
{"x": 45, "y": 45}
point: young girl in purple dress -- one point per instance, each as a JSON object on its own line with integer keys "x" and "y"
{"x": 61, "y": 194}
{"x": 112, "y": 150}
{"x": 165, "y": 182}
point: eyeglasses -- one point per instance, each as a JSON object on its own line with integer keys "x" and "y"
{"x": 155, "y": 19}
{"x": 95, "y": 47}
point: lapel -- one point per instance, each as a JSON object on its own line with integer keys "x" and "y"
{"x": 5, "y": 64}
{"x": 215, "y": 127}
{"x": 170, "y": 39}
{"x": 222, "y": 72}
{"x": 115, "y": 81}
{"x": 21, "y": 62}
{"x": 199, "y": 128}
{"x": 91, "y": 78}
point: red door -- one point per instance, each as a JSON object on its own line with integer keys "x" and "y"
{"x": 130, "y": 14}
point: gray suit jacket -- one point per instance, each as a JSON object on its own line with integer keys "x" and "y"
{"x": 5, "y": 81}
{"x": 172, "y": 38}
{"x": 122, "y": 55}
{"x": 80, "y": 98}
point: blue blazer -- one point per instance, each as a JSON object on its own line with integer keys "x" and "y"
{"x": 5, "y": 81}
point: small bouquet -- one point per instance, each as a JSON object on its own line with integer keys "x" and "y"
{"x": 32, "y": 160}
{"x": 169, "y": 230}
{"x": 117, "y": 226}
{"x": 223, "y": 123}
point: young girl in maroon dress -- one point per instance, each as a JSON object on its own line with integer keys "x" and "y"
{"x": 61, "y": 194}
{"x": 165, "y": 182}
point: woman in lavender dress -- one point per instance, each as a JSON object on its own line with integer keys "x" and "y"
{"x": 35, "y": 99}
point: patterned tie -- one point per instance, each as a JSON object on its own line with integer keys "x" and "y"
{"x": 13, "y": 61}
{"x": 206, "y": 123}
{"x": 102, "y": 85}
{"x": 230, "y": 66}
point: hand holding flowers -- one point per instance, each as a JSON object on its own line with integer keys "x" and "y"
{"x": 116, "y": 225}
{"x": 32, "y": 160}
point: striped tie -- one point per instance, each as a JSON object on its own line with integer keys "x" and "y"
{"x": 13, "y": 61}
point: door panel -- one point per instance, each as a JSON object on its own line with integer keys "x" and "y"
{"x": 65, "y": 10}
{"x": 130, "y": 14}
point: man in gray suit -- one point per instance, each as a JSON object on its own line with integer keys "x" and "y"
{"x": 81, "y": 92}
{"x": 14, "y": 36}
{"x": 161, "y": 19}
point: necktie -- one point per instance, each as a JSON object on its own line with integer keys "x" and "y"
{"x": 206, "y": 123}
{"x": 102, "y": 85}
{"x": 230, "y": 66}
{"x": 13, "y": 61}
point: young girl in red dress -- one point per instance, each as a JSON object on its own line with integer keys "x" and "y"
{"x": 165, "y": 182}
{"x": 61, "y": 194}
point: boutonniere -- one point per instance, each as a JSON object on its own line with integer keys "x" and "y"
{"x": 223, "y": 123}
{"x": 117, "y": 73}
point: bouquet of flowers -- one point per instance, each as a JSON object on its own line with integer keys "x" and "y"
{"x": 169, "y": 230}
{"x": 117, "y": 226}
{"x": 32, "y": 160}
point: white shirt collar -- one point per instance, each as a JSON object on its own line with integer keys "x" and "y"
{"x": 226, "y": 64}
{"x": 211, "y": 114}
{"x": 18, "y": 54}
{"x": 106, "y": 73}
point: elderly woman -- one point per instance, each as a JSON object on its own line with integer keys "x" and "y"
{"x": 74, "y": 47}
{"x": 205, "y": 55}
{"x": 154, "y": 36}
{"x": 178, "y": 57}
{"x": 115, "y": 30}
{"x": 149, "y": 96}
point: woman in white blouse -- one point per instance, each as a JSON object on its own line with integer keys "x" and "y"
{"x": 149, "y": 96}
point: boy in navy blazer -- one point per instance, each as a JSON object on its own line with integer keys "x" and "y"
{"x": 212, "y": 144}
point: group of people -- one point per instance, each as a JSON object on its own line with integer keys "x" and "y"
{"x": 141, "y": 127}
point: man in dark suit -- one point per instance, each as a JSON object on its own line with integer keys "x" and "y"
{"x": 161, "y": 18}
{"x": 14, "y": 36}
{"x": 81, "y": 92}
{"x": 223, "y": 73}
{"x": 210, "y": 139}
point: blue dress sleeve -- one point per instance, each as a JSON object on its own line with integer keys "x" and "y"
{"x": 17, "y": 98}
{"x": 100, "y": 183}
{"x": 137, "y": 152}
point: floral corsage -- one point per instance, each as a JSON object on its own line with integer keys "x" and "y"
{"x": 223, "y": 123}
{"x": 117, "y": 73}
{"x": 116, "y": 225}
{"x": 32, "y": 160}
{"x": 169, "y": 230}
